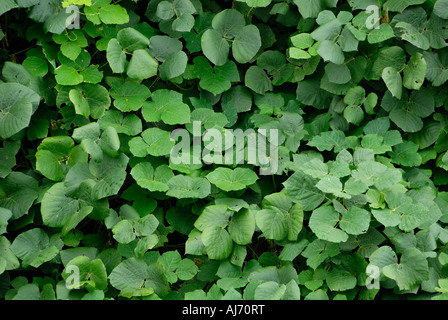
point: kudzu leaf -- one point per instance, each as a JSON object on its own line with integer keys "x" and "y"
{"x": 154, "y": 141}
{"x": 152, "y": 179}
{"x": 218, "y": 243}
{"x": 34, "y": 247}
{"x": 166, "y": 106}
{"x": 136, "y": 277}
{"x": 129, "y": 96}
{"x": 116, "y": 56}
{"x": 173, "y": 66}
{"x": 51, "y": 155}
{"x": 181, "y": 187}
{"x": 441, "y": 9}
{"x": 393, "y": 81}
{"x": 68, "y": 76}
{"x": 113, "y": 14}
{"x": 257, "y": 80}
{"x": 323, "y": 223}
{"x": 413, "y": 268}
{"x": 215, "y": 47}
{"x": 301, "y": 189}
{"x": 355, "y": 221}
{"x": 131, "y": 40}
{"x": 142, "y": 65}
{"x": 330, "y": 51}
{"x": 415, "y": 71}
{"x": 232, "y": 180}
{"x": 246, "y": 44}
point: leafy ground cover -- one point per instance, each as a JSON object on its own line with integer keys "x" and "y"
{"x": 93, "y": 205}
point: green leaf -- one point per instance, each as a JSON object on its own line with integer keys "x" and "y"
{"x": 215, "y": 47}
{"x": 110, "y": 175}
{"x": 182, "y": 187}
{"x": 338, "y": 73}
{"x": 154, "y": 141}
{"x": 133, "y": 277}
{"x": 330, "y": 51}
{"x": 131, "y": 40}
{"x": 166, "y": 106}
{"x": 124, "y": 232}
{"x": 326, "y": 141}
{"x": 246, "y": 44}
{"x": 129, "y": 96}
{"x": 302, "y": 40}
{"x": 116, "y": 56}
{"x": 51, "y": 155}
{"x": 242, "y": 227}
{"x": 412, "y": 269}
{"x": 393, "y": 81}
{"x": 257, "y": 3}
{"x": 142, "y": 65}
{"x": 355, "y": 221}
{"x": 68, "y": 76}
{"x": 415, "y": 71}
{"x": 441, "y": 9}
{"x": 400, "y": 5}
{"x": 10, "y": 261}
{"x": 381, "y": 34}
{"x": 213, "y": 216}
{"x": 92, "y": 272}
{"x": 113, "y": 14}
{"x": 301, "y": 189}
{"x": 218, "y": 243}
{"x": 323, "y": 223}
{"x": 38, "y": 67}
{"x": 257, "y": 80}
{"x": 280, "y": 218}
{"x": 405, "y": 154}
{"x": 153, "y": 180}
{"x": 232, "y": 180}
{"x": 17, "y": 105}
{"x": 34, "y": 247}
{"x": 173, "y": 66}
{"x": 339, "y": 279}
{"x": 18, "y": 193}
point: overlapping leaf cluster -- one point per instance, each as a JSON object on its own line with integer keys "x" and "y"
{"x": 88, "y": 184}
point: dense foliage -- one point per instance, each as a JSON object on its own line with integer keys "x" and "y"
{"x": 358, "y": 208}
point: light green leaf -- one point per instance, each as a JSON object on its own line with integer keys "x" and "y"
{"x": 218, "y": 243}
{"x": 153, "y": 180}
{"x": 323, "y": 223}
{"x": 154, "y": 141}
{"x": 187, "y": 187}
{"x": 133, "y": 275}
{"x": 173, "y": 66}
{"x": 441, "y": 9}
{"x": 68, "y": 76}
{"x": 34, "y": 248}
{"x": 415, "y": 71}
{"x": 113, "y": 14}
{"x": 412, "y": 269}
{"x": 355, "y": 221}
{"x": 393, "y": 81}
{"x": 142, "y": 65}
{"x": 215, "y": 47}
{"x": 166, "y": 105}
{"x": 242, "y": 227}
{"x": 131, "y": 40}
{"x": 330, "y": 51}
{"x": 232, "y": 180}
{"x": 116, "y": 56}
